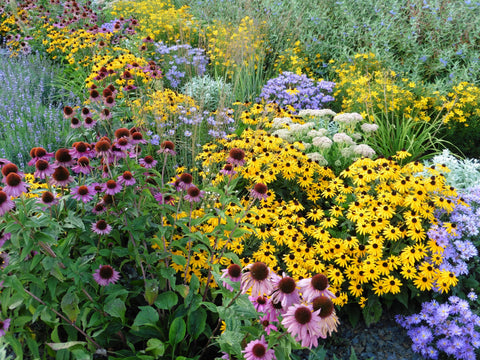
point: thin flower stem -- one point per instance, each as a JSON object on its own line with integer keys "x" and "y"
{"x": 71, "y": 323}
{"x": 189, "y": 243}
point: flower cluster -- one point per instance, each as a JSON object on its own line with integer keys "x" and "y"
{"x": 449, "y": 328}
{"x": 297, "y": 91}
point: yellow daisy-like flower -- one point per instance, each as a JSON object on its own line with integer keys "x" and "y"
{"x": 408, "y": 272}
{"x": 378, "y": 288}
{"x": 392, "y": 284}
{"x": 355, "y": 288}
{"x": 422, "y": 282}
{"x": 401, "y": 155}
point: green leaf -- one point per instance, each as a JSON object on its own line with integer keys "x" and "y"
{"x": 179, "y": 260}
{"x": 65, "y": 345}
{"x": 15, "y": 344}
{"x": 156, "y": 347}
{"x": 166, "y": 300}
{"x": 69, "y": 306}
{"x": 372, "y": 311}
{"x": 116, "y": 308}
{"x": 177, "y": 331}
{"x": 196, "y": 322}
{"x": 402, "y": 297}
{"x": 147, "y": 316}
{"x": 151, "y": 291}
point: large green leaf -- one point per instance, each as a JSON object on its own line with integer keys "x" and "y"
{"x": 177, "y": 331}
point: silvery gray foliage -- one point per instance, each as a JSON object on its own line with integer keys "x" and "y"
{"x": 208, "y": 92}
{"x": 463, "y": 174}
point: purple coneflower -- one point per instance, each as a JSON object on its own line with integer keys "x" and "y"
{"x": 15, "y": 186}
{"x": 232, "y": 273}
{"x": 8, "y": 169}
{"x": 4, "y": 237}
{"x": 185, "y": 181}
{"x": 111, "y": 187}
{"x": 85, "y": 112}
{"x": 43, "y": 169}
{"x": 268, "y": 325}
{"x": 39, "y": 153}
{"x": 315, "y": 286}
{"x": 194, "y": 194}
{"x": 126, "y": 178}
{"x": 303, "y": 324}
{"x": 99, "y": 208}
{"x": 148, "y": 162}
{"x": 61, "y": 176}
{"x": 75, "y": 123}
{"x": 80, "y": 149}
{"x": 236, "y": 157}
{"x": 259, "y": 191}
{"x": 83, "y": 193}
{"x": 164, "y": 199}
{"x": 137, "y": 138}
{"x": 103, "y": 147}
{"x": 228, "y": 170}
{"x": 329, "y": 319}
{"x": 167, "y": 147}
{"x": 123, "y": 144}
{"x": 105, "y": 275}
{"x": 94, "y": 96}
{"x": 82, "y": 166}
{"x": 258, "y": 350}
{"x": 4, "y": 325}
{"x": 259, "y": 277}
{"x": 260, "y": 303}
{"x": 286, "y": 291}
{"x": 89, "y": 123}
{"x": 105, "y": 114}
{"x": 109, "y": 101}
{"x": 101, "y": 227}
{"x": 68, "y": 112}
{"x": 6, "y": 204}
{"x": 48, "y": 199}
{"x": 63, "y": 158}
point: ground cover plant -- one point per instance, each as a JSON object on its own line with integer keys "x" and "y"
{"x": 209, "y": 184}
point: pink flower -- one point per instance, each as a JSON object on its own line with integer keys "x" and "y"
{"x": 15, "y": 186}
{"x": 259, "y": 278}
{"x": 126, "y": 178}
{"x": 83, "y": 193}
{"x": 105, "y": 275}
{"x": 236, "y": 157}
{"x": 303, "y": 324}
{"x": 286, "y": 291}
{"x": 43, "y": 169}
{"x": 101, "y": 227}
{"x": 259, "y": 191}
{"x": 6, "y": 204}
{"x": 233, "y": 273}
{"x": 148, "y": 162}
{"x": 4, "y": 325}
{"x": 258, "y": 350}
{"x": 315, "y": 286}
{"x": 194, "y": 194}
{"x": 111, "y": 187}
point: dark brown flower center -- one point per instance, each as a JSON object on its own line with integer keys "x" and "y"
{"x": 67, "y": 110}
{"x": 325, "y": 304}
{"x": 168, "y": 145}
{"x": 9, "y": 168}
{"x": 3, "y": 197}
{"x": 47, "y": 197}
{"x": 106, "y": 272}
{"x": 260, "y": 188}
{"x": 319, "y": 282}
{"x": 259, "y": 271}
{"x": 102, "y": 146}
{"x": 303, "y": 315}
{"x": 237, "y": 154}
{"x": 149, "y": 159}
{"x": 261, "y": 300}
{"x": 111, "y": 184}
{"x": 13, "y": 179}
{"x": 85, "y": 111}
{"x": 101, "y": 224}
{"x": 94, "y": 94}
{"x": 193, "y": 191}
{"x": 137, "y": 136}
{"x": 62, "y": 155}
{"x": 234, "y": 270}
{"x": 185, "y": 178}
{"x": 287, "y": 285}
{"x": 259, "y": 350}
{"x": 83, "y": 161}
{"x": 122, "y": 141}
{"x": 82, "y": 190}
{"x": 41, "y": 165}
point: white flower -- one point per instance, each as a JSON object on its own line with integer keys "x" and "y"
{"x": 343, "y": 138}
{"x": 356, "y": 136}
{"x": 364, "y": 150}
{"x": 322, "y": 142}
{"x": 348, "y": 118}
{"x": 317, "y": 133}
{"x": 284, "y": 134}
{"x": 318, "y": 157}
{"x": 368, "y": 128}
{"x": 279, "y": 123}
{"x": 316, "y": 112}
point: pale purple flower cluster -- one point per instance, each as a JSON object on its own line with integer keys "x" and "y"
{"x": 458, "y": 245}
{"x": 180, "y": 59}
{"x": 298, "y": 91}
{"x": 450, "y": 328}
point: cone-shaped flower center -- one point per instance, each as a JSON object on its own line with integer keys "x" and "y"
{"x": 193, "y": 191}
{"x": 47, "y": 197}
{"x": 62, "y": 155}
{"x": 168, "y": 145}
{"x": 137, "y": 136}
{"x": 185, "y": 178}
{"x": 3, "y": 197}
{"x": 234, "y": 270}
{"x": 106, "y": 272}
{"x": 13, "y": 179}
{"x": 287, "y": 285}
{"x": 101, "y": 224}
{"x": 319, "y": 282}
{"x": 83, "y": 190}
{"x": 83, "y": 161}
{"x": 111, "y": 184}
{"x": 325, "y": 304}
{"x": 9, "y": 168}
{"x": 237, "y": 154}
{"x": 102, "y": 146}
{"x": 303, "y": 315}
{"x": 41, "y": 165}
{"x": 259, "y": 271}
{"x": 259, "y": 350}
{"x": 148, "y": 159}
{"x": 127, "y": 175}
{"x": 261, "y": 300}
{"x": 61, "y": 174}
{"x": 260, "y": 188}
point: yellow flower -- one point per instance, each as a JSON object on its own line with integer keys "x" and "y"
{"x": 423, "y": 282}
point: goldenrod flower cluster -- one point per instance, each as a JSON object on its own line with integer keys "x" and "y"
{"x": 365, "y": 229}
{"x": 160, "y": 20}
{"x": 293, "y": 59}
{"x": 461, "y": 103}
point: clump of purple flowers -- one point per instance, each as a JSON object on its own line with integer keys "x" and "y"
{"x": 458, "y": 241}
{"x": 298, "y": 91}
{"x": 181, "y": 60}
{"x": 450, "y": 327}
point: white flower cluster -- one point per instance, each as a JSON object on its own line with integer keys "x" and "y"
{"x": 317, "y": 133}
{"x": 281, "y": 123}
{"x": 343, "y": 138}
{"x": 348, "y": 118}
{"x": 322, "y": 142}
{"x": 363, "y": 150}
{"x": 316, "y": 112}
{"x": 369, "y": 128}
{"x": 315, "y": 156}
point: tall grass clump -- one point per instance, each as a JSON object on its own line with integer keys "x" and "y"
{"x": 30, "y": 114}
